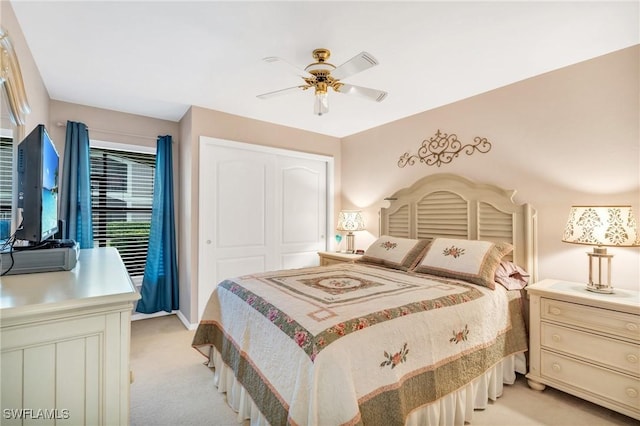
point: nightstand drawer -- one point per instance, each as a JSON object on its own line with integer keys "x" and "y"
{"x": 587, "y": 378}
{"x": 597, "y": 319}
{"x": 617, "y": 354}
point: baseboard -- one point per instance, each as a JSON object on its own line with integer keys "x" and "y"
{"x": 139, "y": 316}
{"x": 185, "y": 322}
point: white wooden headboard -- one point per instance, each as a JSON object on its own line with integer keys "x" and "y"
{"x": 448, "y": 205}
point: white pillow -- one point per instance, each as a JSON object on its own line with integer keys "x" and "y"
{"x": 470, "y": 260}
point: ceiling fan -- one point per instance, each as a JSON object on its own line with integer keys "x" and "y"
{"x": 321, "y": 75}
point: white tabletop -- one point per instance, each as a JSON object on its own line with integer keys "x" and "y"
{"x": 621, "y": 299}
{"x": 99, "y": 277}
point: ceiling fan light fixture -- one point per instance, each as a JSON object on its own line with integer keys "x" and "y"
{"x": 321, "y": 67}
{"x": 321, "y": 103}
{"x": 321, "y": 100}
{"x": 321, "y": 75}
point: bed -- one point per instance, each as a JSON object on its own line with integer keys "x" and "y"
{"x": 418, "y": 332}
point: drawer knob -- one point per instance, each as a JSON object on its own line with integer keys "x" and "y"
{"x": 631, "y": 326}
{"x": 632, "y": 393}
{"x": 556, "y": 338}
{"x": 555, "y": 311}
{"x": 556, "y": 367}
{"x": 632, "y": 358}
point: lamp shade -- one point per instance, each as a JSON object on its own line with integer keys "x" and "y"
{"x": 350, "y": 220}
{"x": 602, "y": 226}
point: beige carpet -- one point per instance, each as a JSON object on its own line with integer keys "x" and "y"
{"x": 173, "y": 387}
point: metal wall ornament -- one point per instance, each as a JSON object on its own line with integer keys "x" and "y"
{"x": 442, "y": 148}
{"x": 11, "y": 81}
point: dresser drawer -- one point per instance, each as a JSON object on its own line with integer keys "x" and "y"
{"x": 617, "y": 354}
{"x": 605, "y": 321}
{"x": 605, "y": 384}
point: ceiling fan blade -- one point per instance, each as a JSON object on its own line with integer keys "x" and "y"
{"x": 279, "y": 92}
{"x": 287, "y": 67}
{"x": 365, "y": 92}
{"x": 360, "y": 62}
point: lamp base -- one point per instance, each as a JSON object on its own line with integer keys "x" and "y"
{"x": 600, "y": 263}
{"x": 351, "y": 242}
{"x": 602, "y": 288}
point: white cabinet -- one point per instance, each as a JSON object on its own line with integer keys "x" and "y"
{"x": 586, "y": 344}
{"x": 64, "y": 342}
{"x": 332, "y": 257}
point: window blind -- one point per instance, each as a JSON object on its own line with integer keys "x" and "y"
{"x": 6, "y": 177}
{"x": 121, "y": 200}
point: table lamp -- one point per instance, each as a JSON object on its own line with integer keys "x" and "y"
{"x": 350, "y": 220}
{"x": 602, "y": 227}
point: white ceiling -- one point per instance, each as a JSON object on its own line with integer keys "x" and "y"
{"x": 156, "y": 58}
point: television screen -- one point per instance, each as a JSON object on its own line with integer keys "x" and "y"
{"x": 38, "y": 173}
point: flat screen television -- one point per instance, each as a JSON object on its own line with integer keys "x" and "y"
{"x": 38, "y": 166}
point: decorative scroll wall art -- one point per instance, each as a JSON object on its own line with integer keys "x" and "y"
{"x": 442, "y": 148}
{"x": 11, "y": 81}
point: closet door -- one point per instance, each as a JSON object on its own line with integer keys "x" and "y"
{"x": 259, "y": 209}
{"x": 302, "y": 195}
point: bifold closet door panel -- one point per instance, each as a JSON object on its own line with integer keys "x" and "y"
{"x": 302, "y": 185}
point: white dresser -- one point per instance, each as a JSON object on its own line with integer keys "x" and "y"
{"x": 586, "y": 344}
{"x": 64, "y": 338}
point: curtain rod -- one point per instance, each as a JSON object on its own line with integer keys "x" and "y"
{"x": 111, "y": 132}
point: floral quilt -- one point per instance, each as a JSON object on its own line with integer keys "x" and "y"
{"x": 356, "y": 344}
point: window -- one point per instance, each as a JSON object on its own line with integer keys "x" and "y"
{"x": 6, "y": 179}
{"x": 121, "y": 200}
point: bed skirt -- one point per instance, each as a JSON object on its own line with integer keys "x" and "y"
{"x": 453, "y": 409}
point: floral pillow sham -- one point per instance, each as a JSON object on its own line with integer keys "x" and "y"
{"x": 394, "y": 252}
{"x": 470, "y": 260}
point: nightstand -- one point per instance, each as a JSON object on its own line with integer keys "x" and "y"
{"x": 333, "y": 257}
{"x": 586, "y": 344}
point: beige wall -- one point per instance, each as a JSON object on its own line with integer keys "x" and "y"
{"x": 37, "y": 95}
{"x": 203, "y": 122}
{"x": 109, "y": 126}
{"x": 187, "y": 245}
{"x": 566, "y": 137}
